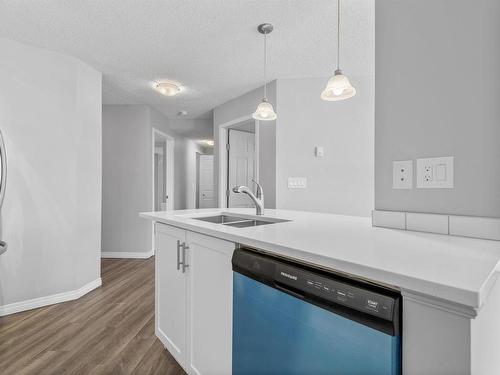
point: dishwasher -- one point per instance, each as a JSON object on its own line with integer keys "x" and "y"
{"x": 291, "y": 318}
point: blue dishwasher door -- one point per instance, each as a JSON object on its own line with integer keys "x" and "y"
{"x": 276, "y": 333}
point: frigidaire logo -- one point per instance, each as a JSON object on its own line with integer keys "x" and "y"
{"x": 288, "y": 275}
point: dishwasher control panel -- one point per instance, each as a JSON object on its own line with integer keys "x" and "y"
{"x": 364, "y": 302}
{"x": 335, "y": 291}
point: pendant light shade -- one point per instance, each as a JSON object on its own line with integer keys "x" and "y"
{"x": 338, "y": 86}
{"x": 265, "y": 110}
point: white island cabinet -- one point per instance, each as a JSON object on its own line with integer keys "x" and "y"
{"x": 194, "y": 299}
{"x": 451, "y": 296}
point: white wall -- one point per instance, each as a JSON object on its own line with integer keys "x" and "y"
{"x": 127, "y": 175}
{"x": 245, "y": 105}
{"x": 126, "y": 178}
{"x": 438, "y": 94}
{"x": 193, "y": 128}
{"x": 50, "y": 116}
{"x": 185, "y": 179}
{"x": 342, "y": 180}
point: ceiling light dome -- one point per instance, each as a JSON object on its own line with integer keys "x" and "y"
{"x": 167, "y": 88}
{"x": 264, "y": 111}
{"x": 338, "y": 88}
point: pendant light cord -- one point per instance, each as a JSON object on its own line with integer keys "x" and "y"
{"x": 338, "y": 34}
{"x": 265, "y": 65}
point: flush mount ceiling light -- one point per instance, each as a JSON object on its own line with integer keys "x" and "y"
{"x": 338, "y": 86}
{"x": 265, "y": 110}
{"x": 167, "y": 88}
{"x": 209, "y": 142}
{"x": 182, "y": 113}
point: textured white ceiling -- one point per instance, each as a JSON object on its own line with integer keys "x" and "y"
{"x": 194, "y": 128}
{"x": 209, "y": 46}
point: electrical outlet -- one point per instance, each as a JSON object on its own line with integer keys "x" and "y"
{"x": 319, "y": 151}
{"x": 402, "y": 174}
{"x": 297, "y": 182}
{"x": 435, "y": 173}
{"x": 428, "y": 173}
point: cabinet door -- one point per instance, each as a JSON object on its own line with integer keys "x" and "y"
{"x": 210, "y": 295}
{"x": 170, "y": 292}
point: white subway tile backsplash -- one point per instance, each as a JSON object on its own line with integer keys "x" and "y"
{"x": 389, "y": 219}
{"x": 477, "y": 227}
{"x": 468, "y": 226}
{"x": 432, "y": 223}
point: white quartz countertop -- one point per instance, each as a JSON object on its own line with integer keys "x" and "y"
{"x": 456, "y": 269}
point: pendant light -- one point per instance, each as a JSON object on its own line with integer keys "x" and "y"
{"x": 338, "y": 86}
{"x": 265, "y": 110}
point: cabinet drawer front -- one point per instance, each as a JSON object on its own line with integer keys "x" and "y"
{"x": 172, "y": 231}
{"x": 210, "y": 242}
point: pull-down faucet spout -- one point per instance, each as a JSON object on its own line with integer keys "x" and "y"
{"x": 258, "y": 198}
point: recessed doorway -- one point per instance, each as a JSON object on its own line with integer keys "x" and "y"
{"x": 239, "y": 160}
{"x": 162, "y": 172}
{"x": 205, "y": 194}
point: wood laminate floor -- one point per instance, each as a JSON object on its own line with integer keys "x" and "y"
{"x": 108, "y": 331}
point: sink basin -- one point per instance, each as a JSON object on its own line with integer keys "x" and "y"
{"x": 249, "y": 223}
{"x": 239, "y": 221}
{"x": 220, "y": 219}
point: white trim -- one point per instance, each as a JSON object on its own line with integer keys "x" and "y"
{"x": 127, "y": 254}
{"x": 170, "y": 181}
{"x": 436, "y": 303}
{"x": 222, "y": 167}
{"x": 35, "y": 303}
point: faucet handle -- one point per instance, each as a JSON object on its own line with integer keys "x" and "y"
{"x": 260, "y": 191}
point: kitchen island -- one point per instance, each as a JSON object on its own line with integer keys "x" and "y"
{"x": 448, "y": 284}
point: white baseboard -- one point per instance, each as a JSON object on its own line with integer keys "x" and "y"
{"x": 125, "y": 254}
{"x": 35, "y": 303}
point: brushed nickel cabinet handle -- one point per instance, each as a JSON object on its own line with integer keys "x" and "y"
{"x": 184, "y": 262}
{"x": 178, "y": 255}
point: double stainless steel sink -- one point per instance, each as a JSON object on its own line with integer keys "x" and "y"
{"x": 239, "y": 221}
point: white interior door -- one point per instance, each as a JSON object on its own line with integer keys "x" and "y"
{"x": 206, "y": 181}
{"x": 241, "y": 169}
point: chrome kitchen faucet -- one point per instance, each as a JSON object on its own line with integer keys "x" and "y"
{"x": 258, "y": 199}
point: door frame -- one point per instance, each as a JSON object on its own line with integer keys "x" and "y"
{"x": 169, "y": 166}
{"x": 224, "y": 157}
{"x": 197, "y": 190}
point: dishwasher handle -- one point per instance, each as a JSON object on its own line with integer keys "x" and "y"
{"x": 289, "y": 291}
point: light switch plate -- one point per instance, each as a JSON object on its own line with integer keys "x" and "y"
{"x": 297, "y": 182}
{"x": 319, "y": 151}
{"x": 435, "y": 173}
{"x": 402, "y": 174}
